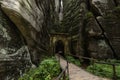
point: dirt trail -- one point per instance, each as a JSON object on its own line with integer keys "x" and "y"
{"x": 77, "y": 73}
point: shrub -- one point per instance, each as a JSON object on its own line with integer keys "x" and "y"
{"x": 73, "y": 60}
{"x": 88, "y": 15}
{"x": 47, "y": 70}
{"x": 103, "y": 70}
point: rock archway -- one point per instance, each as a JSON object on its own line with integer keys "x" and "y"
{"x": 59, "y": 47}
{"x": 59, "y": 42}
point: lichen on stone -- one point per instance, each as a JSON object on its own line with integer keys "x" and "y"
{"x": 7, "y": 50}
{"x": 4, "y": 33}
{"x": 3, "y": 51}
{"x": 102, "y": 44}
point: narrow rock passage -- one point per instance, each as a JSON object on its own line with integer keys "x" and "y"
{"x": 76, "y": 73}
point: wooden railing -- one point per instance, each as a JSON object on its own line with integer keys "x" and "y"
{"x": 64, "y": 75}
{"x": 100, "y": 62}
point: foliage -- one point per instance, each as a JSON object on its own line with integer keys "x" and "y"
{"x": 73, "y": 60}
{"x": 47, "y": 70}
{"x": 88, "y": 15}
{"x": 117, "y": 11}
{"x": 114, "y": 14}
{"x": 103, "y": 70}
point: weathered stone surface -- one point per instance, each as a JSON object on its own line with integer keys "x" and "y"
{"x": 23, "y": 30}
{"x": 96, "y": 44}
{"x": 117, "y": 2}
{"x": 111, "y": 24}
{"x": 99, "y": 23}
{"x": 103, "y": 5}
{"x": 30, "y": 20}
{"x": 14, "y": 55}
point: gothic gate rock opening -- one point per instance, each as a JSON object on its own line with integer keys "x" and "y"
{"x": 59, "y": 47}
{"x": 59, "y": 42}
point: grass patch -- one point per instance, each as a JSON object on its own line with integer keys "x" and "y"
{"x": 104, "y": 70}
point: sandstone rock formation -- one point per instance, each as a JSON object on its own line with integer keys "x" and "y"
{"x": 30, "y": 21}
{"x": 92, "y": 25}
{"x": 96, "y": 37}
{"x": 24, "y": 37}
{"x": 14, "y": 55}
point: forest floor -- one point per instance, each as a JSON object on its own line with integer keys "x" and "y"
{"x": 77, "y": 73}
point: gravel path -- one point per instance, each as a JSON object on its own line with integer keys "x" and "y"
{"x": 77, "y": 73}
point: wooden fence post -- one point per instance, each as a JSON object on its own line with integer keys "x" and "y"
{"x": 93, "y": 64}
{"x": 67, "y": 68}
{"x": 64, "y": 76}
{"x": 114, "y": 72}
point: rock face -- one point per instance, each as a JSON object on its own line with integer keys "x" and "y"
{"x": 111, "y": 24}
{"x": 103, "y": 5}
{"x": 29, "y": 17}
{"x": 111, "y": 35}
{"x": 105, "y": 41}
{"x": 93, "y": 26}
{"x": 98, "y": 27}
{"x": 14, "y": 55}
{"x": 23, "y": 35}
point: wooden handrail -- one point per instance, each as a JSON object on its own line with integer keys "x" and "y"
{"x": 99, "y": 62}
{"x": 63, "y": 73}
{"x": 95, "y": 60}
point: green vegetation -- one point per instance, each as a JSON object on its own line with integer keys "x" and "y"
{"x": 114, "y": 14}
{"x": 47, "y": 70}
{"x": 103, "y": 70}
{"x": 117, "y": 11}
{"x": 73, "y": 60}
{"x": 88, "y": 15}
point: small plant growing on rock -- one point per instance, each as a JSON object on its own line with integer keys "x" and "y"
{"x": 88, "y": 15}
